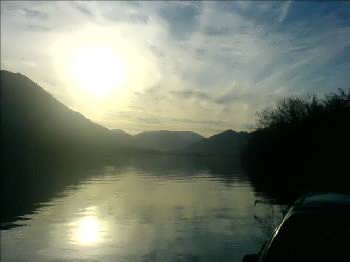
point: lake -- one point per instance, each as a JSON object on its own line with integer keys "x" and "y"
{"x": 149, "y": 209}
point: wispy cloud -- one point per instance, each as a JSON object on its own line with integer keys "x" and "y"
{"x": 83, "y": 7}
{"x": 34, "y": 14}
{"x": 214, "y": 64}
{"x": 284, "y": 11}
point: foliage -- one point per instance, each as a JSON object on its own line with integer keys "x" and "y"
{"x": 295, "y": 111}
{"x": 301, "y": 144}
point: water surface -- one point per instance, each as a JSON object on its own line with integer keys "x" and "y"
{"x": 166, "y": 209}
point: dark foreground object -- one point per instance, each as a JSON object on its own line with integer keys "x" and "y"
{"x": 301, "y": 145}
{"x": 316, "y": 228}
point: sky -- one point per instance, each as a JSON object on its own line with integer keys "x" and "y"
{"x": 200, "y": 66}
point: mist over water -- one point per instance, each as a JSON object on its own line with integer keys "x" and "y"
{"x": 150, "y": 209}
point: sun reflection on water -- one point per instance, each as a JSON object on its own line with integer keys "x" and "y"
{"x": 88, "y": 230}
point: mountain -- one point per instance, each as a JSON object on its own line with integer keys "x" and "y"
{"x": 228, "y": 142}
{"x": 160, "y": 140}
{"x": 123, "y": 139}
{"x": 36, "y": 125}
{"x": 164, "y": 140}
{"x": 120, "y": 132}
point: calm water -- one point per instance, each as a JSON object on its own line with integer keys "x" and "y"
{"x": 166, "y": 209}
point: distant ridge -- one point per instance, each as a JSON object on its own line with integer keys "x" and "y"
{"x": 120, "y": 132}
{"x": 40, "y": 124}
{"x": 36, "y": 125}
{"x": 228, "y": 142}
{"x": 165, "y": 140}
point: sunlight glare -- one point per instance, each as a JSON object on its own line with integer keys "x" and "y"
{"x": 88, "y": 231}
{"x": 98, "y": 70}
{"x": 101, "y": 69}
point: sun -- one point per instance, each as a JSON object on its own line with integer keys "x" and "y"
{"x": 96, "y": 69}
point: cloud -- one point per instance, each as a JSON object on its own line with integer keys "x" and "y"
{"x": 211, "y": 65}
{"x": 190, "y": 93}
{"x": 284, "y": 11}
{"x": 127, "y": 12}
{"x": 33, "y": 27}
{"x": 34, "y": 14}
{"x": 214, "y": 31}
{"x": 181, "y": 18}
{"x": 83, "y": 8}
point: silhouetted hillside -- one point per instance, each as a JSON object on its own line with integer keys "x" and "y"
{"x": 228, "y": 142}
{"x": 302, "y": 144}
{"x": 120, "y": 132}
{"x": 123, "y": 139}
{"x": 35, "y": 124}
{"x": 166, "y": 140}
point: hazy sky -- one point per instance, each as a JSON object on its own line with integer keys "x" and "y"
{"x": 201, "y": 66}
